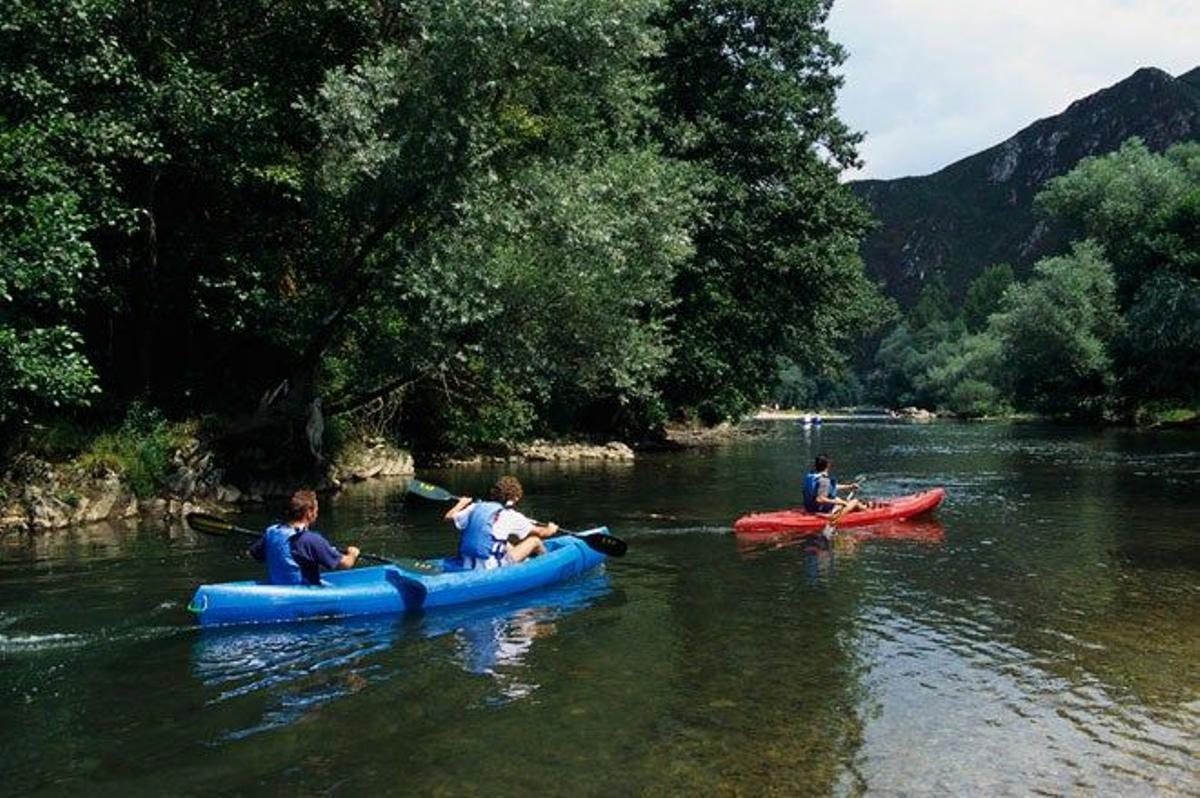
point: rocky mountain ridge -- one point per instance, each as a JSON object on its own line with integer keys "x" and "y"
{"x": 980, "y": 210}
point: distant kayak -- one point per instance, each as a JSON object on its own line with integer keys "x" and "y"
{"x": 387, "y": 589}
{"x": 799, "y": 522}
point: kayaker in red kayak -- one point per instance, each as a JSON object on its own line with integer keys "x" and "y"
{"x": 294, "y": 554}
{"x": 488, "y": 526}
{"x": 820, "y": 491}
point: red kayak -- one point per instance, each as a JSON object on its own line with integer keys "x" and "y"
{"x": 799, "y": 522}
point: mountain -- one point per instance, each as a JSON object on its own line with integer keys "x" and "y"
{"x": 979, "y": 211}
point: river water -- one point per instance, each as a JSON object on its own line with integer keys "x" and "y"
{"x": 1040, "y": 634}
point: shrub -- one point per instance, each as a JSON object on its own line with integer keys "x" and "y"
{"x": 140, "y": 450}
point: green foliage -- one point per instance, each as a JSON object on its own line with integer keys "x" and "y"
{"x": 532, "y": 217}
{"x": 1124, "y": 302}
{"x": 46, "y": 261}
{"x": 60, "y": 440}
{"x": 1057, "y": 330}
{"x": 1162, "y": 341}
{"x": 795, "y": 388}
{"x": 933, "y": 305}
{"x": 749, "y": 98}
{"x": 943, "y": 367}
{"x": 975, "y": 399}
{"x": 984, "y": 295}
{"x": 1144, "y": 210}
{"x": 1138, "y": 205}
{"x": 140, "y": 450}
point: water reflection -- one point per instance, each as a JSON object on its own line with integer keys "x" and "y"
{"x": 848, "y": 541}
{"x": 293, "y": 669}
{"x": 494, "y": 640}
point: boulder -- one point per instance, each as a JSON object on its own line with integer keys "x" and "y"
{"x": 916, "y": 414}
{"x": 228, "y": 494}
{"x": 373, "y": 459}
{"x": 46, "y": 511}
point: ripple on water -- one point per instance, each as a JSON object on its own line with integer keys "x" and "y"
{"x": 12, "y": 644}
{"x": 1015, "y": 718}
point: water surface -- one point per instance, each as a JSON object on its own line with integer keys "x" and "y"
{"x": 1041, "y": 634}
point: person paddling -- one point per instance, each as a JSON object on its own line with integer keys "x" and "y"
{"x": 294, "y": 554}
{"x": 820, "y": 491}
{"x": 488, "y": 526}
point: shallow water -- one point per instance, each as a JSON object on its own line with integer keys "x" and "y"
{"x": 1040, "y": 634}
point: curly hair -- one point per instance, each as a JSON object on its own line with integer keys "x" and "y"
{"x": 507, "y": 490}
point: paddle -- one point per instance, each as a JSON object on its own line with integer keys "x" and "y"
{"x": 211, "y": 525}
{"x": 601, "y": 541}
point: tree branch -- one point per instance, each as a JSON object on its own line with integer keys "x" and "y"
{"x": 351, "y": 403}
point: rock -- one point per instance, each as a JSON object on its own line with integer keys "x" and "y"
{"x": 546, "y": 451}
{"x": 375, "y": 459}
{"x": 154, "y": 507}
{"x": 13, "y": 517}
{"x": 105, "y": 494}
{"x": 182, "y": 483}
{"x": 615, "y": 450}
{"x": 46, "y": 511}
{"x": 228, "y": 494}
{"x": 916, "y": 414}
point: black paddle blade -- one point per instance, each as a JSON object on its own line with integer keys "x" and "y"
{"x": 209, "y": 524}
{"x": 428, "y": 491}
{"x": 603, "y": 542}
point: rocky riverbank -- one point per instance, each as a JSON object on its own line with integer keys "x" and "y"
{"x": 37, "y": 495}
{"x": 543, "y": 451}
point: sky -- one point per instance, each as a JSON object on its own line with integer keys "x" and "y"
{"x": 933, "y": 81}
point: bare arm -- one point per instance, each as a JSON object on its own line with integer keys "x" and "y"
{"x": 349, "y": 558}
{"x": 462, "y": 502}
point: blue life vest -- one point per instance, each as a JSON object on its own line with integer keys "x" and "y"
{"x": 811, "y": 485}
{"x": 282, "y": 568}
{"x": 477, "y": 541}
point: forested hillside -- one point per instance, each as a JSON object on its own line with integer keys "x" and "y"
{"x": 949, "y": 226}
{"x": 1107, "y": 328}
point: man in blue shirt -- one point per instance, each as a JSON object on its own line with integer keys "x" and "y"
{"x": 294, "y": 554}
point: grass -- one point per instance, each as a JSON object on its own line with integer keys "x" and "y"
{"x": 1159, "y": 415}
{"x": 139, "y": 450}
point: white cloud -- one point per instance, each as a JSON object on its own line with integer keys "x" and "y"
{"x": 933, "y": 81}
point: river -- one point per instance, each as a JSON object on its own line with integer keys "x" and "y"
{"x": 1040, "y": 634}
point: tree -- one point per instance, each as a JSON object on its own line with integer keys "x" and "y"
{"x": 1144, "y": 210}
{"x": 1056, "y": 331}
{"x": 435, "y": 145}
{"x": 749, "y": 98}
{"x": 45, "y": 263}
{"x": 1121, "y": 199}
{"x": 1162, "y": 339}
{"x": 985, "y": 294}
{"x": 933, "y": 305}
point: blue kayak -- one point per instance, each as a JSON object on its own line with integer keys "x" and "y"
{"x": 386, "y": 589}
